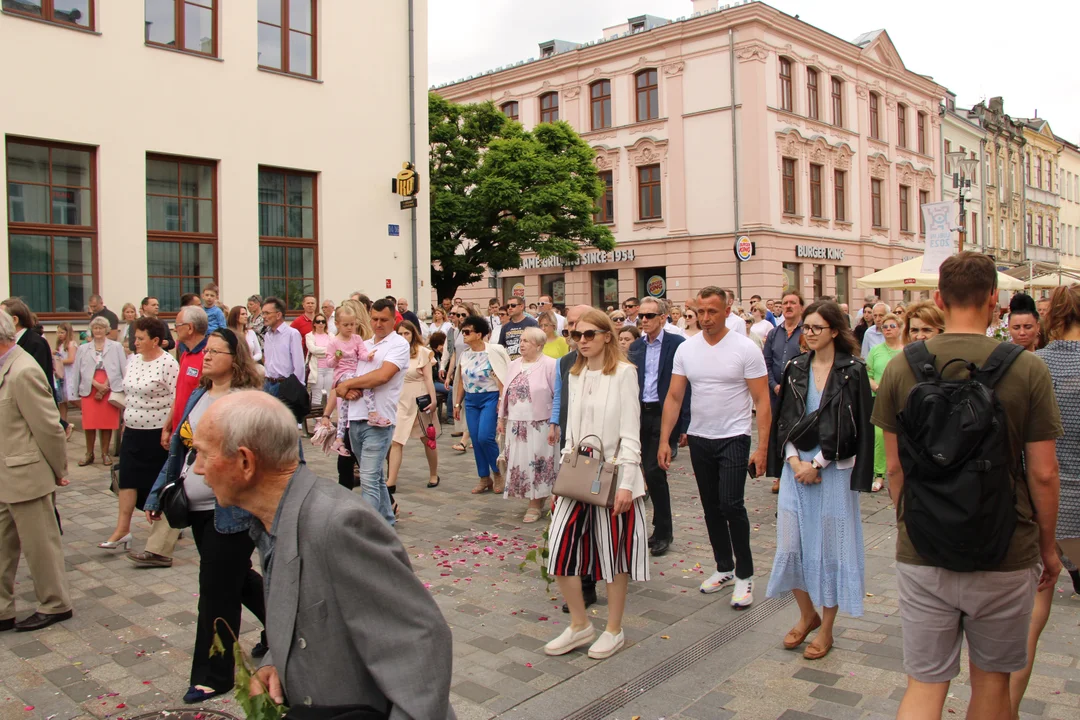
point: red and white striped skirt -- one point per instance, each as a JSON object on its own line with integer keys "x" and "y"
{"x": 587, "y": 540}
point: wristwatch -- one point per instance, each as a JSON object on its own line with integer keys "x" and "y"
{"x": 457, "y": 406}
{"x": 816, "y": 465}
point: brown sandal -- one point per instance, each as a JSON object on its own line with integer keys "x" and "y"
{"x": 485, "y": 485}
{"x": 812, "y": 653}
{"x": 88, "y": 460}
{"x": 499, "y": 484}
{"x": 106, "y": 461}
{"x": 793, "y": 640}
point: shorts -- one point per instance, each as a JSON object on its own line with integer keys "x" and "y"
{"x": 939, "y": 606}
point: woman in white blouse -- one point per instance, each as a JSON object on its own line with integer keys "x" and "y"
{"x": 439, "y": 323}
{"x": 149, "y": 389}
{"x": 603, "y": 414}
{"x": 320, "y": 372}
{"x": 238, "y": 321}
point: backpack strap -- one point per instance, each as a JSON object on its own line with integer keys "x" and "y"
{"x": 998, "y": 363}
{"x": 921, "y": 361}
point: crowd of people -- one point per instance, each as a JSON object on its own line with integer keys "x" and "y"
{"x": 540, "y": 392}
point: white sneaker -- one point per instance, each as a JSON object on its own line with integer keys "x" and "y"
{"x": 717, "y": 581}
{"x": 569, "y": 640}
{"x": 606, "y": 645}
{"x": 743, "y": 594}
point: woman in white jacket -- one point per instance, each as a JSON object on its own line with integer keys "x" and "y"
{"x": 602, "y": 403}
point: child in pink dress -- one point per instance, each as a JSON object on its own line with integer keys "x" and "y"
{"x": 346, "y": 351}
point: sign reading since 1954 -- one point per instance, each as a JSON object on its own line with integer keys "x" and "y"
{"x": 592, "y": 257}
{"x": 819, "y": 253}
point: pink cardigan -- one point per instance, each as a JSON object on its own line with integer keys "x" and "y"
{"x": 541, "y": 387}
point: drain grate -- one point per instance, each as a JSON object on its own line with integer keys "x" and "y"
{"x": 620, "y": 696}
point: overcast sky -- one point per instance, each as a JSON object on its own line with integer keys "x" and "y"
{"x": 1031, "y": 59}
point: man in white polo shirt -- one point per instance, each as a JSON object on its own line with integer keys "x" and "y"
{"x": 384, "y": 373}
{"x": 727, "y": 375}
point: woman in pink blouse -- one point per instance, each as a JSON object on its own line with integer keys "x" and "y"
{"x": 320, "y": 373}
{"x": 524, "y": 416}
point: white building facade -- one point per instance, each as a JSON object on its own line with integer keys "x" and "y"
{"x": 151, "y": 148}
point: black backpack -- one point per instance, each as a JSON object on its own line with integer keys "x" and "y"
{"x": 959, "y": 504}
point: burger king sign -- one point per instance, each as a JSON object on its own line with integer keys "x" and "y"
{"x": 744, "y": 249}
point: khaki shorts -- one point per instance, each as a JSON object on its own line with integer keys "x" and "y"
{"x": 938, "y": 607}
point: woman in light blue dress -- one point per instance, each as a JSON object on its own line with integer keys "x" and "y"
{"x": 824, "y": 458}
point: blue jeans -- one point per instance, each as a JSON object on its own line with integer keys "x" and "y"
{"x": 481, "y": 410}
{"x": 370, "y": 444}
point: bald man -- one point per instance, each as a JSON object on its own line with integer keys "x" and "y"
{"x": 873, "y": 335}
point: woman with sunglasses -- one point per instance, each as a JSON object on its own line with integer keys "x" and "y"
{"x": 478, "y": 384}
{"x": 924, "y": 321}
{"x": 603, "y": 416}
{"x": 320, "y": 370}
{"x": 876, "y": 360}
{"x": 821, "y": 449}
{"x": 226, "y": 578}
{"x": 692, "y": 327}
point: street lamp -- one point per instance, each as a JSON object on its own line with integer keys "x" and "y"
{"x": 961, "y": 182}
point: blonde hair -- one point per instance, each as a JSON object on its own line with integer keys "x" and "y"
{"x": 535, "y": 335}
{"x": 927, "y": 312}
{"x": 894, "y": 318}
{"x": 548, "y": 316}
{"x": 356, "y": 309}
{"x": 1064, "y": 312}
{"x": 613, "y": 354}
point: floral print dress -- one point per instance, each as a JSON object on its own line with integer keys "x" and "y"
{"x": 530, "y": 460}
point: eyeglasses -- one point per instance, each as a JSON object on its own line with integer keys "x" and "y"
{"x": 212, "y": 353}
{"x": 466, "y": 332}
{"x": 898, "y": 311}
{"x": 890, "y": 326}
{"x": 618, "y": 318}
{"x": 629, "y": 306}
{"x": 458, "y": 315}
{"x": 648, "y": 316}
{"x": 319, "y": 322}
{"x": 815, "y": 329}
{"x": 543, "y": 302}
{"x": 180, "y": 325}
{"x": 590, "y": 335}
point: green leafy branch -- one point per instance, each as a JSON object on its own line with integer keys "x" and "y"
{"x": 539, "y": 555}
{"x": 256, "y": 707}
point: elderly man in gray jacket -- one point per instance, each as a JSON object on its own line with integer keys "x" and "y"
{"x": 349, "y": 626}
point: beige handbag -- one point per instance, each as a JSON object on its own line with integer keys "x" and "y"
{"x": 589, "y": 480}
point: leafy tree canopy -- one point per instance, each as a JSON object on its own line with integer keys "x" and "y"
{"x": 498, "y": 191}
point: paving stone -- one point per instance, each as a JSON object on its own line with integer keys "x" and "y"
{"x": 841, "y": 697}
{"x": 873, "y": 648}
{"x": 525, "y": 642}
{"x": 520, "y": 672}
{"x": 488, "y": 643}
{"x": 82, "y": 690}
{"x": 114, "y": 622}
{"x": 183, "y": 618}
{"x": 101, "y": 591}
{"x": 710, "y": 707}
{"x": 1031, "y": 706}
{"x": 472, "y": 610}
{"x": 799, "y": 715}
{"x": 661, "y": 617}
{"x": 898, "y": 694}
{"x": 147, "y": 599}
{"x": 31, "y": 650}
{"x": 473, "y": 691}
{"x": 128, "y": 658}
{"x": 835, "y": 711}
{"x": 816, "y": 676}
{"x": 64, "y": 675}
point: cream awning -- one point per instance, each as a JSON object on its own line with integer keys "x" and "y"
{"x": 908, "y": 275}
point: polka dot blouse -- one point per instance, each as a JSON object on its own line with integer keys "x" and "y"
{"x": 150, "y": 388}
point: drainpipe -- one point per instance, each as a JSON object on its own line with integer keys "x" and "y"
{"x": 734, "y": 162}
{"x": 982, "y": 191}
{"x": 415, "y": 294}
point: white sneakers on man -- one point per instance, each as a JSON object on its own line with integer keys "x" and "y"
{"x": 743, "y": 594}
{"x": 606, "y": 645}
{"x": 717, "y": 581}
{"x": 570, "y": 640}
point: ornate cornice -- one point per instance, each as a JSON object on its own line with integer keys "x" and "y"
{"x": 571, "y": 93}
{"x": 752, "y": 51}
{"x": 674, "y": 69}
{"x": 647, "y": 151}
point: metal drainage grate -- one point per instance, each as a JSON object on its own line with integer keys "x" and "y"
{"x": 620, "y": 696}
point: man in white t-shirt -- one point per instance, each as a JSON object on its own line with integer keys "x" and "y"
{"x": 733, "y": 321}
{"x": 726, "y": 373}
{"x": 383, "y": 373}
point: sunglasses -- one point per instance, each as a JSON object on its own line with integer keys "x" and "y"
{"x": 458, "y": 315}
{"x": 319, "y": 322}
{"x": 648, "y": 316}
{"x": 890, "y": 326}
{"x": 590, "y": 335}
{"x": 466, "y": 332}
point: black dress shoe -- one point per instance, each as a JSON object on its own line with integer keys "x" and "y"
{"x": 652, "y": 539}
{"x": 590, "y": 599}
{"x": 38, "y": 621}
{"x": 261, "y": 647}
{"x": 660, "y": 547}
{"x": 8, "y": 624}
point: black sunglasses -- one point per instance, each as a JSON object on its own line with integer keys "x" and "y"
{"x": 590, "y": 335}
{"x": 648, "y": 316}
{"x": 319, "y": 322}
{"x": 458, "y": 315}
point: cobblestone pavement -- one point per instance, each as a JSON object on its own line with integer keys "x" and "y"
{"x": 127, "y": 650}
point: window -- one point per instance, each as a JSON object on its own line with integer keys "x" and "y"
{"x": 905, "y": 213}
{"x": 901, "y": 125}
{"x": 789, "y": 187}
{"x": 1001, "y": 236}
{"x": 1027, "y": 168}
{"x": 839, "y": 181}
{"x": 600, "y": 93}
{"x": 73, "y": 13}
{"x": 1038, "y": 230}
{"x": 837, "y": 102}
{"x": 648, "y": 96}
{"x": 791, "y": 276}
{"x": 785, "y": 84}
{"x": 843, "y": 283}
{"x": 287, "y": 36}
{"x": 1050, "y": 234}
{"x": 288, "y": 238}
{"x": 549, "y": 107}
{"x": 875, "y": 124}
{"x": 948, "y": 147}
{"x": 812, "y": 94}
{"x": 182, "y": 25}
{"x": 52, "y": 224}
{"x": 649, "y": 192}
{"x": 1038, "y": 172}
{"x": 815, "y": 191}
{"x": 924, "y": 199}
{"x": 181, "y": 227}
{"x": 1050, "y": 176}
{"x": 875, "y": 203}
{"x": 510, "y": 110}
{"x": 1027, "y": 230}
{"x": 974, "y": 169}
{"x": 921, "y": 130}
{"x": 974, "y": 229}
{"x": 607, "y": 201}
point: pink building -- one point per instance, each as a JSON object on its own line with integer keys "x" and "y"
{"x": 835, "y": 146}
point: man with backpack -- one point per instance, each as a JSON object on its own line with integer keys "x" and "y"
{"x": 970, "y": 427}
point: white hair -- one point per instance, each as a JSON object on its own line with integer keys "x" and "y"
{"x": 267, "y": 429}
{"x": 7, "y": 327}
{"x": 99, "y": 321}
{"x": 534, "y": 335}
{"x": 196, "y": 316}
{"x": 661, "y": 305}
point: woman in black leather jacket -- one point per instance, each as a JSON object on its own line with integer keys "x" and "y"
{"x": 822, "y": 449}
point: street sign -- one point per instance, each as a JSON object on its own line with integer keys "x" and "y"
{"x": 408, "y": 203}
{"x": 744, "y": 249}
{"x": 393, "y": 230}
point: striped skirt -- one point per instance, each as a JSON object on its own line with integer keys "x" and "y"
{"x": 587, "y": 540}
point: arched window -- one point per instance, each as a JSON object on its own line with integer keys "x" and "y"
{"x": 549, "y": 107}
{"x": 510, "y": 110}
{"x": 875, "y": 120}
{"x": 837, "y": 102}
{"x": 600, "y": 102}
{"x": 901, "y": 125}
{"x": 785, "y": 84}
{"x": 648, "y": 96}
{"x": 812, "y": 94}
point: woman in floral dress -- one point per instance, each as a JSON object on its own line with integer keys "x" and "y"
{"x": 524, "y": 416}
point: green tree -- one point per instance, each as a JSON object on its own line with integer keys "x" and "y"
{"x": 498, "y": 191}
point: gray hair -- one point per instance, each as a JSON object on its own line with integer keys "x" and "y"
{"x": 661, "y": 305}
{"x": 261, "y": 423}
{"x": 7, "y": 327}
{"x": 99, "y": 321}
{"x": 256, "y": 298}
{"x": 534, "y": 335}
{"x": 196, "y": 316}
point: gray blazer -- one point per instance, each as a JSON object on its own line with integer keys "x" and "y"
{"x": 115, "y": 365}
{"x": 347, "y": 620}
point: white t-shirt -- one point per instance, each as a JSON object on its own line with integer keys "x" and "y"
{"x": 560, "y": 323}
{"x": 736, "y": 323}
{"x": 150, "y": 388}
{"x": 721, "y": 405}
{"x": 762, "y": 328}
{"x": 392, "y": 349}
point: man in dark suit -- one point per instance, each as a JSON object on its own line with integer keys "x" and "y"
{"x": 349, "y": 624}
{"x": 653, "y": 353}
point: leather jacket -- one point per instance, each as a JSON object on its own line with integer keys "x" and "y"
{"x": 841, "y": 425}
